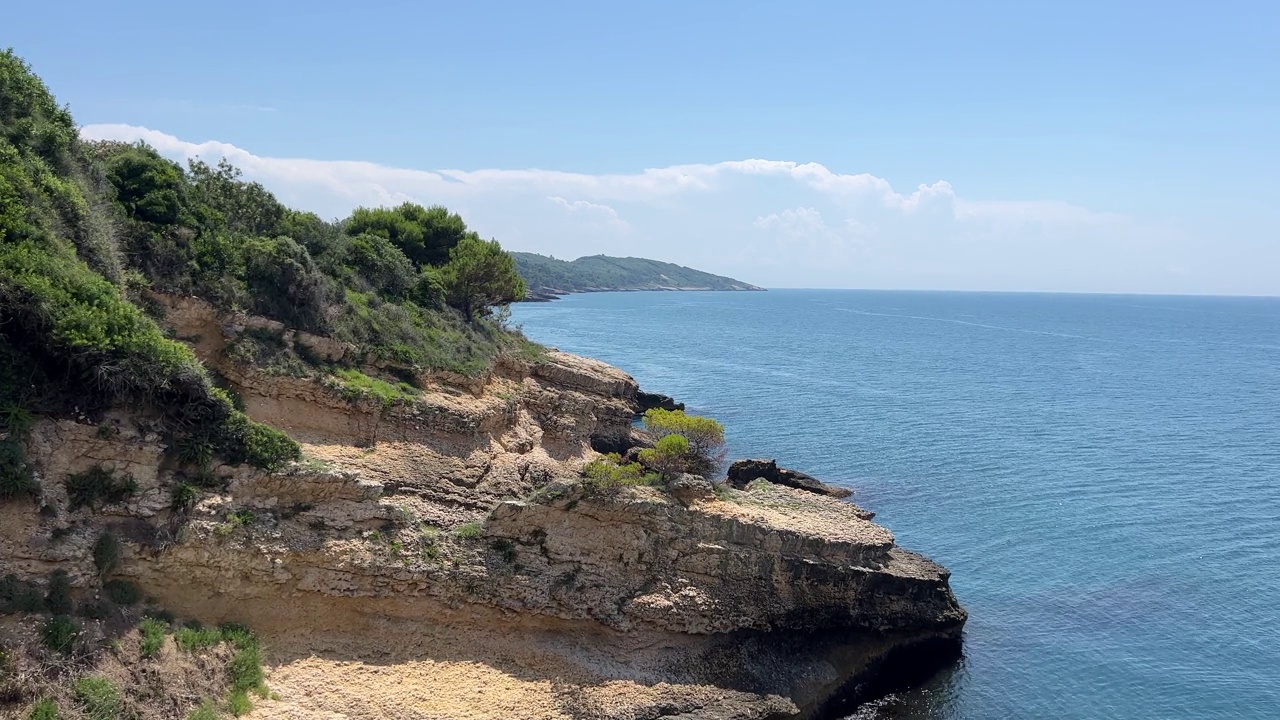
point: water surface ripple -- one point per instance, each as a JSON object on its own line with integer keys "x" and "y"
{"x": 1100, "y": 473}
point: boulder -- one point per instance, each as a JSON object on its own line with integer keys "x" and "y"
{"x": 648, "y": 401}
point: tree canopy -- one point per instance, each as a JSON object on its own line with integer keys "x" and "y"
{"x": 479, "y": 275}
{"x": 705, "y": 437}
{"x": 424, "y": 235}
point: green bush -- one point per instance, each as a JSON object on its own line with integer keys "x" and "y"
{"x": 424, "y": 235}
{"x": 57, "y": 597}
{"x": 99, "y": 486}
{"x": 19, "y": 595}
{"x": 99, "y": 698}
{"x": 705, "y": 438}
{"x": 669, "y": 456}
{"x": 60, "y": 633}
{"x": 284, "y": 283}
{"x": 43, "y": 709}
{"x": 184, "y": 495}
{"x": 153, "y": 632}
{"x": 609, "y": 471}
{"x": 122, "y": 592}
{"x": 379, "y": 266}
{"x": 17, "y": 479}
{"x": 106, "y": 553}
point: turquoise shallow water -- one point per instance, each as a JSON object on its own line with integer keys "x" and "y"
{"x": 1100, "y": 473}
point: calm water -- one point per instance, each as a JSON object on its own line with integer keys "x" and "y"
{"x": 1100, "y": 473}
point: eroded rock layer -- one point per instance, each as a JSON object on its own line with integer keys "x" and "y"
{"x": 442, "y": 558}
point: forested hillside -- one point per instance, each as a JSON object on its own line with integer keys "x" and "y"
{"x": 90, "y": 232}
{"x": 548, "y": 276}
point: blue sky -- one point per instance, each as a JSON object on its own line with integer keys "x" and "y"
{"x": 1068, "y": 146}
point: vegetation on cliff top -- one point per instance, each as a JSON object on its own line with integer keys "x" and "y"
{"x": 543, "y": 274}
{"x": 89, "y": 230}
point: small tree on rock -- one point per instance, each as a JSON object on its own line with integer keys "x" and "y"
{"x": 705, "y": 437}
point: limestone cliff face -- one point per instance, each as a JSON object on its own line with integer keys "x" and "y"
{"x": 451, "y": 541}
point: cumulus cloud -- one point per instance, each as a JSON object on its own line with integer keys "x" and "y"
{"x": 771, "y": 222}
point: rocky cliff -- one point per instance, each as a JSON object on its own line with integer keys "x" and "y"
{"x": 439, "y": 556}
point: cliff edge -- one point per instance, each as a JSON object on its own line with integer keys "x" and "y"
{"x": 440, "y": 555}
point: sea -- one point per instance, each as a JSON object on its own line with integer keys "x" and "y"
{"x": 1101, "y": 473}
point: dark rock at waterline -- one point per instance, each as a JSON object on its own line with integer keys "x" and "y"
{"x": 742, "y": 472}
{"x": 627, "y": 445}
{"x": 648, "y": 401}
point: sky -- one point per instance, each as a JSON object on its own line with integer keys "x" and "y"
{"x": 1083, "y": 146}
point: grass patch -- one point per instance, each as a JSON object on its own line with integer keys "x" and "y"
{"x": 43, "y": 709}
{"x": 99, "y": 698}
{"x": 191, "y": 639}
{"x": 235, "y": 521}
{"x": 355, "y": 385}
{"x": 207, "y": 710}
{"x": 153, "y": 632}
{"x": 60, "y": 633}
{"x": 473, "y": 530}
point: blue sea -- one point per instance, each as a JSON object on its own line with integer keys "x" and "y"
{"x": 1100, "y": 473}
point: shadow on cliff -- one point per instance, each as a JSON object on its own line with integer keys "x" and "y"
{"x": 588, "y": 669}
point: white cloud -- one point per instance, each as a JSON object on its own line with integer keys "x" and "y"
{"x": 771, "y": 222}
{"x": 605, "y": 213}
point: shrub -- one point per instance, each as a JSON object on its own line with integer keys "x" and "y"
{"x": 17, "y": 479}
{"x": 669, "y": 456}
{"x": 235, "y": 520}
{"x": 60, "y": 633}
{"x": 97, "y": 609}
{"x": 705, "y": 437}
{"x": 106, "y": 553}
{"x": 379, "y": 265}
{"x": 99, "y": 697}
{"x": 259, "y": 445}
{"x": 153, "y": 633}
{"x": 285, "y": 283}
{"x": 184, "y": 496}
{"x": 57, "y": 597}
{"x": 122, "y": 592}
{"x": 43, "y": 709}
{"x": 98, "y": 486}
{"x": 609, "y": 472}
{"x": 19, "y": 595}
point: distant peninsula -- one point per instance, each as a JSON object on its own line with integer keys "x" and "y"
{"x": 548, "y": 278}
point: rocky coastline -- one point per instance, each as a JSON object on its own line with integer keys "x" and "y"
{"x": 443, "y": 557}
